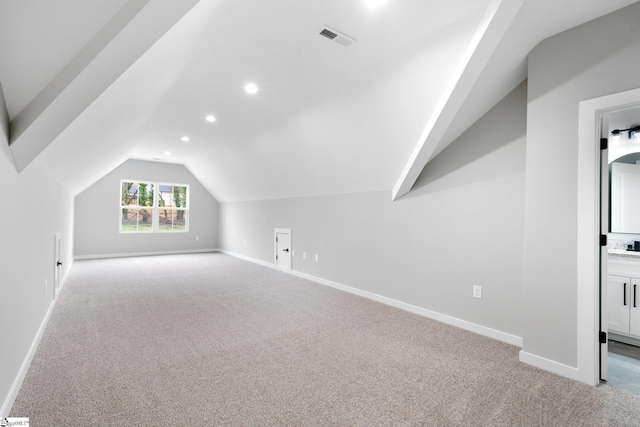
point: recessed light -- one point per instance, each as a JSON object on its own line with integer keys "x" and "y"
{"x": 167, "y": 153}
{"x": 210, "y": 118}
{"x": 185, "y": 139}
{"x": 251, "y": 88}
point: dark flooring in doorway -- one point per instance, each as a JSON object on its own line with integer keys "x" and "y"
{"x": 624, "y": 367}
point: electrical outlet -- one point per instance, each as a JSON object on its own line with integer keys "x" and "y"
{"x": 304, "y": 255}
{"x": 45, "y": 285}
{"x": 316, "y": 257}
{"x": 245, "y": 243}
{"x": 477, "y": 291}
{"x": 293, "y": 253}
{"x": 197, "y": 238}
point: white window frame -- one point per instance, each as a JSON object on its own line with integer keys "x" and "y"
{"x": 121, "y": 207}
{"x": 155, "y": 208}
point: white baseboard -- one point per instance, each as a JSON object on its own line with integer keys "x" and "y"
{"x": 17, "y": 383}
{"x": 257, "y": 261}
{"x": 463, "y": 324}
{"x": 22, "y": 373}
{"x": 551, "y": 366}
{"x": 134, "y": 254}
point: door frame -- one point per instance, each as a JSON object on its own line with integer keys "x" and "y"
{"x": 603, "y": 361}
{"x": 588, "y": 226}
{"x": 277, "y": 231}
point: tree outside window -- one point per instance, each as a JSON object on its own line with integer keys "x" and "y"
{"x": 173, "y": 207}
{"x": 152, "y": 207}
{"x": 136, "y": 205}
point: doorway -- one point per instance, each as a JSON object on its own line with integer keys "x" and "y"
{"x": 620, "y": 310}
{"x": 588, "y": 245}
{"x": 282, "y": 247}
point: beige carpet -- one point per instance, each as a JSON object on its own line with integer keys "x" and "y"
{"x": 209, "y": 340}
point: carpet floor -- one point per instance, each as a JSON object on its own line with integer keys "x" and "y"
{"x": 210, "y": 340}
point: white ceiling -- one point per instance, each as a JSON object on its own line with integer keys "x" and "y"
{"x": 39, "y": 37}
{"x": 327, "y": 119}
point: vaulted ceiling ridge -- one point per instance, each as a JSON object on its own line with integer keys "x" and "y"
{"x": 492, "y": 28}
{"x": 135, "y": 28}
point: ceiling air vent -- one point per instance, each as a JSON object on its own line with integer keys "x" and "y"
{"x": 336, "y": 36}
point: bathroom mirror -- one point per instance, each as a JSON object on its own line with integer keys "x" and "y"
{"x": 624, "y": 202}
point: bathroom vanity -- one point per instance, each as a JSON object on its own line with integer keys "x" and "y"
{"x": 623, "y": 295}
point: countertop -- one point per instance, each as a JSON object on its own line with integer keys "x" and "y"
{"x": 624, "y": 253}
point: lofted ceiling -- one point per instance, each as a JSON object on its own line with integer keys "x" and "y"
{"x": 89, "y": 84}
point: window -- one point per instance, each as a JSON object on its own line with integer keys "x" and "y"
{"x": 148, "y": 207}
{"x": 172, "y": 207}
{"x": 136, "y": 204}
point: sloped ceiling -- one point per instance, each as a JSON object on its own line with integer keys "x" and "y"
{"x": 90, "y": 84}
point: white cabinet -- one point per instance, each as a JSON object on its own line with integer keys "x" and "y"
{"x": 624, "y": 305}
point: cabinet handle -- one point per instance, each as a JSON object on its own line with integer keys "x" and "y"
{"x": 624, "y": 294}
{"x": 634, "y": 295}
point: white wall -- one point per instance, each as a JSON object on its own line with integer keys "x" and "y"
{"x": 595, "y": 59}
{"x": 461, "y": 226}
{"x": 35, "y": 208}
{"x": 97, "y": 214}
